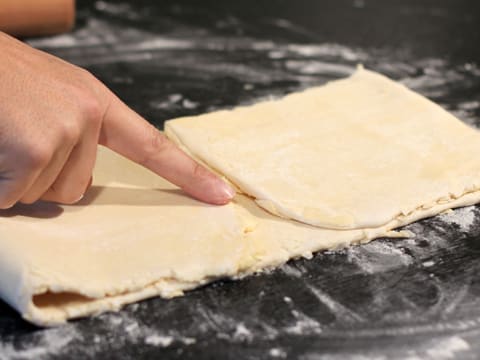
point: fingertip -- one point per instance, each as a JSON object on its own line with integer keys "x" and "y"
{"x": 212, "y": 190}
{"x": 226, "y": 192}
{"x": 222, "y": 193}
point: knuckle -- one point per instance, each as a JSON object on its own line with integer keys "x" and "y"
{"x": 91, "y": 107}
{"x": 158, "y": 141}
{"x": 70, "y": 131}
{"x": 200, "y": 172}
{"x": 85, "y": 75}
{"x": 156, "y": 144}
{"x": 86, "y": 92}
{"x": 37, "y": 156}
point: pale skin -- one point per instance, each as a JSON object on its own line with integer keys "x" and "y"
{"x": 53, "y": 115}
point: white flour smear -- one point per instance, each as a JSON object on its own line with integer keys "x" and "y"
{"x": 464, "y": 218}
{"x": 41, "y": 344}
{"x": 378, "y": 256}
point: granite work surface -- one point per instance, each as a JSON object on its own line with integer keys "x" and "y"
{"x": 415, "y": 298}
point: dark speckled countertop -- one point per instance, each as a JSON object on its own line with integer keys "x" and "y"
{"x": 416, "y": 298}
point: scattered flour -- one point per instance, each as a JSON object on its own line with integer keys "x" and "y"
{"x": 343, "y": 356}
{"x": 291, "y": 270}
{"x": 43, "y": 344}
{"x": 129, "y": 330}
{"x": 328, "y": 50}
{"x": 341, "y": 311}
{"x": 378, "y": 256}
{"x": 319, "y": 67}
{"x": 463, "y": 217}
{"x": 304, "y": 325}
{"x": 174, "y": 101}
{"x": 447, "y": 348}
{"x": 277, "y": 353}
{"x": 159, "y": 340}
{"x": 188, "y": 104}
{"x": 242, "y": 333}
{"x": 171, "y": 101}
{"x": 428, "y": 263}
{"x": 469, "y": 105}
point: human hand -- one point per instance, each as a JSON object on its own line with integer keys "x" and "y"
{"x": 52, "y": 117}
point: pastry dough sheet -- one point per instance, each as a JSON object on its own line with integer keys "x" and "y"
{"x": 355, "y": 153}
{"x": 135, "y": 236}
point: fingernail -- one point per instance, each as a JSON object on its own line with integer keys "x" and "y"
{"x": 7, "y": 207}
{"x": 226, "y": 191}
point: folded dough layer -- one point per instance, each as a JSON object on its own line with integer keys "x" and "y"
{"x": 141, "y": 237}
{"x": 355, "y": 153}
{"x": 121, "y": 242}
{"x": 135, "y": 236}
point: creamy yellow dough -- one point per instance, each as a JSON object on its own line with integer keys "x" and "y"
{"x": 355, "y": 153}
{"x": 135, "y": 235}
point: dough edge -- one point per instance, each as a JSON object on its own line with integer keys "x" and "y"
{"x": 317, "y": 217}
{"x": 170, "y": 287}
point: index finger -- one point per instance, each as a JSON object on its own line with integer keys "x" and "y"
{"x": 127, "y": 133}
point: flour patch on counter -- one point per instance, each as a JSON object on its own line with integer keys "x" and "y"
{"x": 445, "y": 349}
{"x": 159, "y": 340}
{"x": 291, "y": 270}
{"x": 242, "y": 333}
{"x": 311, "y": 67}
{"x": 428, "y": 263}
{"x": 304, "y": 325}
{"x": 171, "y": 101}
{"x": 277, "y": 353}
{"x": 174, "y": 101}
{"x": 128, "y": 329}
{"x": 42, "y": 344}
{"x": 326, "y": 50}
{"x": 378, "y": 256}
{"x": 464, "y": 218}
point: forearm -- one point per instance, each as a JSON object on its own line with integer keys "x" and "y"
{"x": 36, "y": 17}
